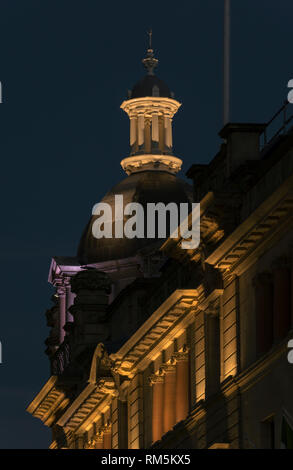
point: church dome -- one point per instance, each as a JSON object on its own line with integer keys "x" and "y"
{"x": 142, "y": 187}
{"x": 150, "y": 85}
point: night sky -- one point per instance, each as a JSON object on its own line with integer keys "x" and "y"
{"x": 65, "y": 68}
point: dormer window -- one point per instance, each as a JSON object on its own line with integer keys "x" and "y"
{"x": 156, "y": 91}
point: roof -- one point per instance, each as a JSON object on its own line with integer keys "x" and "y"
{"x": 150, "y": 85}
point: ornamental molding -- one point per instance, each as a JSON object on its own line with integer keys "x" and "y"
{"x": 48, "y": 401}
{"x": 211, "y": 303}
{"x": 87, "y": 407}
{"x": 161, "y": 328}
{"x": 139, "y": 162}
{"x": 150, "y": 105}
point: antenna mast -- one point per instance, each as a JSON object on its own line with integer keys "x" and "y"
{"x": 227, "y": 34}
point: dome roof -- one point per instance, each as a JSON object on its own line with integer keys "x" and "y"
{"x": 144, "y": 187}
{"x": 150, "y": 85}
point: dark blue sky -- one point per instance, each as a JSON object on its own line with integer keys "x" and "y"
{"x": 65, "y": 66}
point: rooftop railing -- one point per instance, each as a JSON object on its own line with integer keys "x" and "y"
{"x": 279, "y": 125}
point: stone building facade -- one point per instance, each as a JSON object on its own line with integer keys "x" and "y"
{"x": 153, "y": 346}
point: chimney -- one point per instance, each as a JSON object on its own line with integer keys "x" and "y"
{"x": 243, "y": 144}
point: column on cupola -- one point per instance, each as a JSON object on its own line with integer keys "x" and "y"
{"x": 61, "y": 292}
{"x": 147, "y": 134}
{"x": 157, "y": 383}
{"x": 133, "y": 132}
{"x": 282, "y": 313}
{"x": 182, "y": 384}
{"x": 140, "y": 124}
{"x": 169, "y": 415}
{"x": 168, "y": 131}
{"x": 161, "y": 133}
{"x": 155, "y": 131}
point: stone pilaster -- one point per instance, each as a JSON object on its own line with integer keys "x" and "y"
{"x": 99, "y": 440}
{"x": 182, "y": 384}
{"x": 169, "y": 415}
{"x": 212, "y": 352}
{"x": 157, "y": 383}
{"x": 107, "y": 432}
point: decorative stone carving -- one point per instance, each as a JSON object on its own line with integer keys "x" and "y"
{"x": 155, "y": 379}
{"x": 108, "y": 386}
{"x": 101, "y": 364}
{"x": 181, "y": 355}
{"x": 168, "y": 368}
{"x": 90, "y": 279}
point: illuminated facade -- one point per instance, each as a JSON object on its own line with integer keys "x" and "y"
{"x": 155, "y": 346}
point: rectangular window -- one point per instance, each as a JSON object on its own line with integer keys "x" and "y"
{"x": 268, "y": 433}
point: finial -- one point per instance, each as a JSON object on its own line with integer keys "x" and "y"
{"x": 150, "y": 62}
{"x": 150, "y": 33}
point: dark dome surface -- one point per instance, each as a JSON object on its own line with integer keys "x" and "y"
{"x": 143, "y": 187}
{"x": 150, "y": 85}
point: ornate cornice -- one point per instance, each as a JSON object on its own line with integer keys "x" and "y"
{"x": 149, "y": 105}
{"x": 50, "y": 399}
{"x": 151, "y": 162}
{"x": 89, "y": 404}
{"x": 175, "y": 314}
